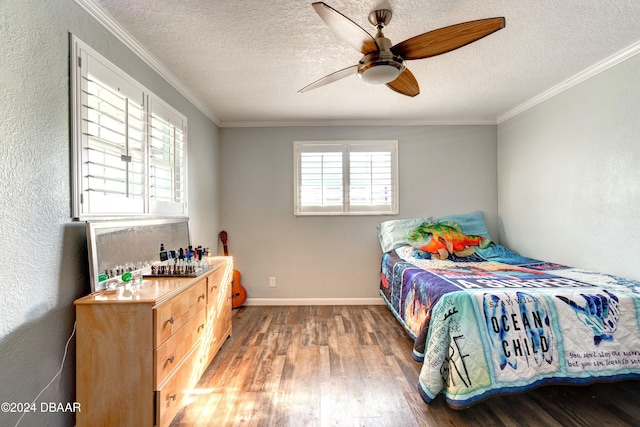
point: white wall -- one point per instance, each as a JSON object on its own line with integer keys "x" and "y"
{"x": 569, "y": 175}
{"x": 46, "y": 255}
{"x": 443, "y": 170}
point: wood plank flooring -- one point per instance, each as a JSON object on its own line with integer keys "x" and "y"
{"x": 352, "y": 366}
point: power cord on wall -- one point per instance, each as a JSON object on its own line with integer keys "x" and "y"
{"x": 64, "y": 356}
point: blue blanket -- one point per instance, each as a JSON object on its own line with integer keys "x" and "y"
{"x": 501, "y": 323}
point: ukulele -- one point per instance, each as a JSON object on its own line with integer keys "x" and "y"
{"x": 238, "y": 293}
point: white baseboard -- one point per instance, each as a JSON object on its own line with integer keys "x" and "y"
{"x": 315, "y": 301}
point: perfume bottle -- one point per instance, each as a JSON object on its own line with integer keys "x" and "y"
{"x": 163, "y": 253}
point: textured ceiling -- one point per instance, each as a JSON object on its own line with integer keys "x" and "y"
{"x": 243, "y": 62}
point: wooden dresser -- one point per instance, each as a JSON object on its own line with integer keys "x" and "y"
{"x": 138, "y": 356}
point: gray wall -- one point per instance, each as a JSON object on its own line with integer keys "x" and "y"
{"x": 443, "y": 170}
{"x": 569, "y": 175}
{"x": 46, "y": 253}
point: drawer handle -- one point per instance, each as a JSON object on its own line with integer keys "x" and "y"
{"x": 201, "y": 297}
{"x": 171, "y": 320}
{"x": 201, "y": 327}
{"x": 214, "y": 287}
{"x": 174, "y": 396}
{"x": 170, "y": 359}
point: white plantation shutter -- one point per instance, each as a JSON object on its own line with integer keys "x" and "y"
{"x": 129, "y": 147}
{"x": 321, "y": 183}
{"x": 346, "y": 178}
{"x": 370, "y": 179}
{"x": 167, "y": 160}
{"x": 113, "y": 123}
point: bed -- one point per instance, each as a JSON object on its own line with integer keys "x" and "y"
{"x": 487, "y": 321}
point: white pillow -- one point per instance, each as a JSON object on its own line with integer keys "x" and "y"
{"x": 393, "y": 233}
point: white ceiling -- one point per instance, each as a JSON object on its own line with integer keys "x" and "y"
{"x": 243, "y": 62}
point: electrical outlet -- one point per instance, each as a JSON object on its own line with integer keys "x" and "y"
{"x": 272, "y": 282}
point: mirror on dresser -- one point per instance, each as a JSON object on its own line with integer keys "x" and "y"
{"x": 131, "y": 245}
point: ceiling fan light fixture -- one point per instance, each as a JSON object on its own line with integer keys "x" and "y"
{"x": 376, "y": 69}
{"x": 380, "y": 74}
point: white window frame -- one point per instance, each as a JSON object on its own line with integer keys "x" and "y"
{"x": 342, "y": 202}
{"x": 175, "y": 125}
{"x": 135, "y": 194}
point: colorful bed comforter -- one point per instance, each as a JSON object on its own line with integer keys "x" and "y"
{"x": 500, "y": 323}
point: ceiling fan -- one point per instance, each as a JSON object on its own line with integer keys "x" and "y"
{"x": 384, "y": 63}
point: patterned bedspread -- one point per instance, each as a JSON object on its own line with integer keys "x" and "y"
{"x": 510, "y": 323}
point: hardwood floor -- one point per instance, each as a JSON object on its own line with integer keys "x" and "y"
{"x": 352, "y": 366}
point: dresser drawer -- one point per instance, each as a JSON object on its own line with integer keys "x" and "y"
{"x": 216, "y": 285}
{"x": 169, "y": 397}
{"x": 170, "y": 354}
{"x": 173, "y": 314}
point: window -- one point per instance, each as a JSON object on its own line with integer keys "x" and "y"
{"x": 167, "y": 159}
{"x": 129, "y": 147}
{"x": 346, "y": 177}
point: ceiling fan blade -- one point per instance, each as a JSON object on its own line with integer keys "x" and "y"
{"x": 446, "y": 39}
{"x": 340, "y": 74}
{"x": 350, "y": 32}
{"x": 405, "y": 84}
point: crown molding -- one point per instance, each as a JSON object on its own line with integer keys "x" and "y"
{"x": 128, "y": 40}
{"x": 337, "y": 123}
{"x": 603, "y": 65}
